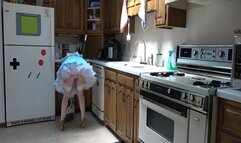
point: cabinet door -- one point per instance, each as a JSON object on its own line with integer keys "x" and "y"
{"x": 75, "y": 16}
{"x": 61, "y": 23}
{"x": 160, "y": 17}
{"x": 115, "y": 15}
{"x": 93, "y": 16}
{"x": 121, "y": 110}
{"x": 129, "y": 115}
{"x": 107, "y": 102}
{"x": 107, "y": 15}
{"x": 68, "y": 16}
{"x": 112, "y": 106}
{"x": 112, "y": 13}
{"x": 136, "y": 111}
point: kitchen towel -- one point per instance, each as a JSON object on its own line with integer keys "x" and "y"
{"x": 124, "y": 17}
{"x": 142, "y": 14}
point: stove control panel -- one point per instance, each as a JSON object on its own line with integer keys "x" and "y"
{"x": 192, "y": 99}
{"x": 206, "y": 52}
{"x": 170, "y": 92}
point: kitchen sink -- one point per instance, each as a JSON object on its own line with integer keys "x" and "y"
{"x": 137, "y": 66}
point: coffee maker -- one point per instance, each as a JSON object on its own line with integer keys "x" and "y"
{"x": 112, "y": 50}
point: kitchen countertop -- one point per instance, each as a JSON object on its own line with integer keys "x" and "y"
{"x": 125, "y": 66}
{"x": 128, "y": 67}
{"x": 232, "y": 93}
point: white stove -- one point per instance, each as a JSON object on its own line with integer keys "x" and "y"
{"x": 191, "y": 82}
{"x": 184, "y": 100}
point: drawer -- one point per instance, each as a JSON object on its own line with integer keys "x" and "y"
{"x": 126, "y": 80}
{"x": 111, "y": 75}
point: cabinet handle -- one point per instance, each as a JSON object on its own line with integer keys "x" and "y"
{"x": 196, "y": 119}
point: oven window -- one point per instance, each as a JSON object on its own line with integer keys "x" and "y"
{"x": 160, "y": 124}
{"x": 238, "y": 62}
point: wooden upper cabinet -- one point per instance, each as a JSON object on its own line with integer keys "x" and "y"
{"x": 93, "y": 16}
{"x": 112, "y": 15}
{"x": 133, "y": 6}
{"x": 68, "y": 16}
{"x": 168, "y": 17}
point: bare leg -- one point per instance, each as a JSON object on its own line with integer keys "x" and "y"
{"x": 68, "y": 85}
{"x": 80, "y": 83}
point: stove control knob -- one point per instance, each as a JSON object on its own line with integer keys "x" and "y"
{"x": 220, "y": 53}
{"x": 184, "y": 96}
{"x": 145, "y": 84}
{"x": 194, "y": 53}
{"x": 191, "y": 97}
{"x": 169, "y": 91}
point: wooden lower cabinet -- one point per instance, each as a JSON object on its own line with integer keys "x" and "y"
{"x": 229, "y": 122}
{"x": 110, "y": 104}
{"x": 125, "y": 113}
{"x": 121, "y": 105}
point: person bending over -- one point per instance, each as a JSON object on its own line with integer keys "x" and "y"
{"x": 74, "y": 75}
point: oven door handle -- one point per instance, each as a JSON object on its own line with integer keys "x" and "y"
{"x": 163, "y": 106}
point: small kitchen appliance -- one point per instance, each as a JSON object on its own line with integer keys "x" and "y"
{"x": 28, "y": 63}
{"x": 113, "y": 50}
{"x": 179, "y": 107}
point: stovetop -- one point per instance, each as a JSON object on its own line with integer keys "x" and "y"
{"x": 186, "y": 81}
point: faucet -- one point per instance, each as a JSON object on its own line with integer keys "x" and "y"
{"x": 144, "y": 57}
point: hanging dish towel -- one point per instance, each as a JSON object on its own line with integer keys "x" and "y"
{"x": 142, "y": 14}
{"x": 124, "y": 17}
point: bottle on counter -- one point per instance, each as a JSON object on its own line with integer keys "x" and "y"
{"x": 171, "y": 61}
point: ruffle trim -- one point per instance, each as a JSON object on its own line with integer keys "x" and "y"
{"x": 66, "y": 70}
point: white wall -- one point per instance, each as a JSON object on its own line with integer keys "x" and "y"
{"x": 2, "y": 106}
{"x": 156, "y": 39}
{"x": 212, "y": 24}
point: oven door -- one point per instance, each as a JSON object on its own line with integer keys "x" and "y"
{"x": 161, "y": 124}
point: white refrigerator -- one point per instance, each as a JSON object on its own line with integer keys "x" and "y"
{"x": 28, "y": 63}
{"x": 2, "y": 102}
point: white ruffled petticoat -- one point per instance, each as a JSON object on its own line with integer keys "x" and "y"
{"x": 74, "y": 64}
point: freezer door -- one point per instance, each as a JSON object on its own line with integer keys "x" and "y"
{"x": 27, "y": 24}
{"x": 29, "y": 85}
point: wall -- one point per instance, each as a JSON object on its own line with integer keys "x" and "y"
{"x": 2, "y": 106}
{"x": 212, "y": 24}
{"x": 156, "y": 39}
{"x": 73, "y": 43}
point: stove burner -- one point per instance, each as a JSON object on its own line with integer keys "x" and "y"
{"x": 167, "y": 74}
{"x": 212, "y": 84}
{"x": 180, "y": 74}
{"x": 162, "y": 74}
{"x": 198, "y": 83}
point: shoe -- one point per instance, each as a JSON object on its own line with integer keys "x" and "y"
{"x": 61, "y": 126}
{"x": 83, "y": 123}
